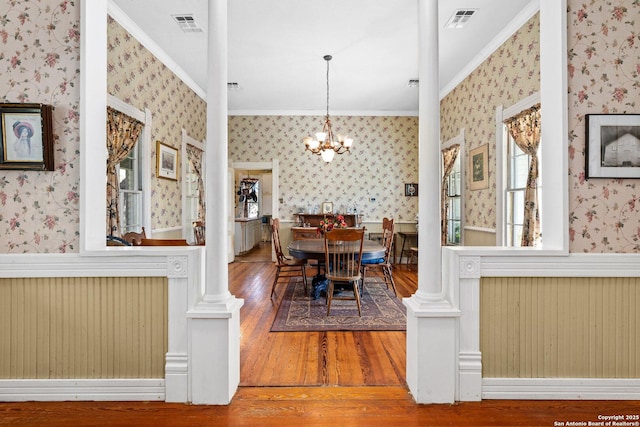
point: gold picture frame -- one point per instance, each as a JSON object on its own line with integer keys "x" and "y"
{"x": 479, "y": 168}
{"x": 327, "y": 207}
{"x": 166, "y": 161}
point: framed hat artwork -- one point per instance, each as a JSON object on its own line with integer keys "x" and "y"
{"x": 26, "y": 137}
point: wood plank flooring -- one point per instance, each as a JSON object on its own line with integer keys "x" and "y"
{"x": 311, "y": 358}
{"x": 313, "y": 379}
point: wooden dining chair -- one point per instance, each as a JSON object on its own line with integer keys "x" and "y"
{"x": 343, "y": 253}
{"x": 385, "y": 265}
{"x": 285, "y": 267}
{"x": 135, "y": 238}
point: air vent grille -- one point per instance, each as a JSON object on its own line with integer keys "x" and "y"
{"x": 460, "y": 18}
{"x": 187, "y": 23}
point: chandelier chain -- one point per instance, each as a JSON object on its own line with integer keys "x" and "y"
{"x": 327, "y": 85}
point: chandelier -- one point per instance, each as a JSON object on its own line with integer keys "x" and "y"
{"x": 324, "y": 143}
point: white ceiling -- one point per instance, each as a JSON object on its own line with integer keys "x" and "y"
{"x": 276, "y": 49}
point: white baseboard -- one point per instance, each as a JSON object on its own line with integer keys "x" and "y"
{"x": 93, "y": 390}
{"x": 561, "y": 388}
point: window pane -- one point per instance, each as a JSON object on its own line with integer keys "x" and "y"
{"x": 130, "y": 211}
{"x": 517, "y": 235}
{"x": 518, "y": 206}
{"x": 454, "y": 208}
{"x": 521, "y": 171}
{"x": 253, "y": 210}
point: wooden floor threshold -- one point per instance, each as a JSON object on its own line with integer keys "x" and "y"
{"x": 327, "y": 406}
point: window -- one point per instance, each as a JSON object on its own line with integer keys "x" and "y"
{"x": 454, "y": 218}
{"x": 192, "y": 197}
{"x": 130, "y": 177}
{"x": 517, "y": 171}
{"x": 253, "y": 204}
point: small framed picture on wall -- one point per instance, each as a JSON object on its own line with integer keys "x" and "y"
{"x": 27, "y": 137}
{"x": 166, "y": 161}
{"x": 411, "y": 189}
{"x": 478, "y": 167}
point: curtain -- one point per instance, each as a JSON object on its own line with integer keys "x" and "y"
{"x": 525, "y": 130}
{"x": 122, "y": 134}
{"x": 449, "y": 156}
{"x": 195, "y": 155}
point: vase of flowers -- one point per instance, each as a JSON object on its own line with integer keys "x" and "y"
{"x": 328, "y": 224}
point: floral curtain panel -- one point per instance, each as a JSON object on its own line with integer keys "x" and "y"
{"x": 525, "y": 130}
{"x": 195, "y": 156}
{"x": 449, "y": 156}
{"x": 122, "y": 134}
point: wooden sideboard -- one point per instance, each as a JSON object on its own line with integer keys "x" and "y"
{"x": 305, "y": 233}
{"x": 314, "y": 219}
{"x": 310, "y": 232}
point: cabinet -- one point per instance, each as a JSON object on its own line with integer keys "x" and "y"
{"x": 352, "y": 220}
{"x": 304, "y": 233}
{"x": 248, "y": 234}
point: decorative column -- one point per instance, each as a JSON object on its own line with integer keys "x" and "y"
{"x": 214, "y": 321}
{"x": 431, "y": 318}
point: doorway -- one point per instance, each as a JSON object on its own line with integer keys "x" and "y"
{"x": 268, "y": 171}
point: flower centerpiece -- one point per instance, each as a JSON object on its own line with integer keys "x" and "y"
{"x": 327, "y": 225}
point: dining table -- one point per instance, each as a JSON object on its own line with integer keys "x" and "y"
{"x": 314, "y": 249}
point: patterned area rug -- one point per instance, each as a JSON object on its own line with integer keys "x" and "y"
{"x": 381, "y": 310}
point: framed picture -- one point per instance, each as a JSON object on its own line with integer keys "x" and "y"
{"x": 166, "y": 161}
{"x": 612, "y": 146}
{"x": 479, "y": 167}
{"x": 27, "y": 137}
{"x": 327, "y": 207}
{"x": 411, "y": 190}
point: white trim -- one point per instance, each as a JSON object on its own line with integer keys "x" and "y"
{"x": 83, "y": 389}
{"x": 554, "y": 156}
{"x": 126, "y": 108}
{"x": 521, "y": 105}
{"x": 561, "y": 388}
{"x": 93, "y": 119}
{"x": 357, "y": 113}
{"x": 527, "y": 12}
{"x": 166, "y": 230}
{"x": 123, "y": 19}
{"x": 481, "y": 229}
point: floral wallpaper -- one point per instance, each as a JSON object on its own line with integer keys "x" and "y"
{"x": 604, "y": 78}
{"x": 39, "y": 49}
{"x": 510, "y": 74}
{"x": 140, "y": 79}
{"x": 39, "y": 63}
{"x": 383, "y": 158}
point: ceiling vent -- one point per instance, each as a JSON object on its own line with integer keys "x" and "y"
{"x": 460, "y": 18}
{"x": 187, "y": 24}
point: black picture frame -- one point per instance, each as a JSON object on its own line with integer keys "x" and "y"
{"x": 26, "y": 137}
{"x": 411, "y": 189}
{"x": 612, "y": 146}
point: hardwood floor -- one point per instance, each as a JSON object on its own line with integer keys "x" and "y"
{"x": 311, "y": 358}
{"x": 315, "y": 379}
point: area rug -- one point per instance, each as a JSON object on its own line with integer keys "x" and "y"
{"x": 381, "y": 310}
